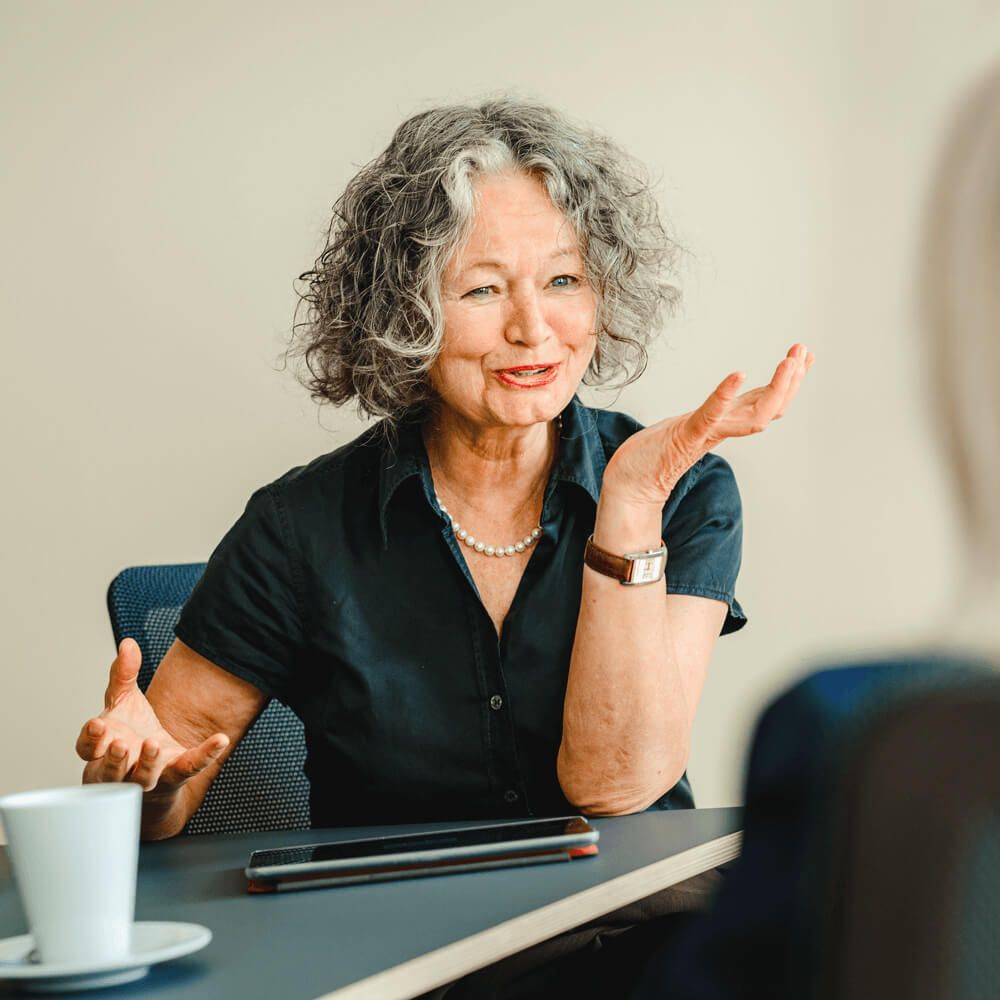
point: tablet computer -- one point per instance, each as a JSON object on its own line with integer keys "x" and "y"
{"x": 474, "y": 848}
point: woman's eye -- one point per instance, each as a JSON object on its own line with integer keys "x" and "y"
{"x": 475, "y": 292}
{"x": 569, "y": 278}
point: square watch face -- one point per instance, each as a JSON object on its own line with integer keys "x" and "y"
{"x": 646, "y": 569}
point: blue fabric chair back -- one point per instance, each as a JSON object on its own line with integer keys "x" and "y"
{"x": 262, "y": 785}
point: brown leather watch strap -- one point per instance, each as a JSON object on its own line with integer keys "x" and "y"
{"x": 632, "y": 568}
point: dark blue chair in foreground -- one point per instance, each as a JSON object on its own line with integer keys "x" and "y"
{"x": 262, "y": 785}
{"x": 871, "y": 853}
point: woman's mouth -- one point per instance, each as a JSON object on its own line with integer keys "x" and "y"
{"x": 528, "y": 376}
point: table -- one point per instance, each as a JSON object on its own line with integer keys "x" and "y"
{"x": 387, "y": 939}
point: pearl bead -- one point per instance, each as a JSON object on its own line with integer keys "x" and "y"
{"x": 491, "y": 550}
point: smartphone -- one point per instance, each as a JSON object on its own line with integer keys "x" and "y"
{"x": 433, "y": 852}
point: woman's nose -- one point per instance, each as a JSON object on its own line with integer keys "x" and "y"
{"x": 525, "y": 323}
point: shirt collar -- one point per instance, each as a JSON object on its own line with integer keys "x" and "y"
{"x": 580, "y": 460}
{"x": 401, "y": 459}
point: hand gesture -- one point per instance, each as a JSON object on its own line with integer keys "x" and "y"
{"x": 126, "y": 742}
{"x": 648, "y": 465}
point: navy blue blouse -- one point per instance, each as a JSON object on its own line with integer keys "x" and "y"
{"x": 343, "y": 592}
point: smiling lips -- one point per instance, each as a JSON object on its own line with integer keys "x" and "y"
{"x": 528, "y": 376}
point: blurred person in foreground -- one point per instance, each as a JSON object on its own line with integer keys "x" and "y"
{"x": 871, "y": 861}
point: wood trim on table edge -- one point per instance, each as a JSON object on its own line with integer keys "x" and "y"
{"x": 443, "y": 965}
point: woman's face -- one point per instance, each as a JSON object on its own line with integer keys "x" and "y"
{"x": 518, "y": 311}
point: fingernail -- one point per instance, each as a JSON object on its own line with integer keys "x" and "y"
{"x": 115, "y": 753}
{"x": 94, "y": 729}
{"x": 152, "y": 753}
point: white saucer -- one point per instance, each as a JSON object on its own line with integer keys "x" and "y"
{"x": 152, "y": 942}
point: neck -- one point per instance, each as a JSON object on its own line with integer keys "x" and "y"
{"x": 489, "y": 467}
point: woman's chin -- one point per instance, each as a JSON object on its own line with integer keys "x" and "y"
{"x": 522, "y": 408}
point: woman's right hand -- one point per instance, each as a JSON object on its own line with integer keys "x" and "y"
{"x": 126, "y": 742}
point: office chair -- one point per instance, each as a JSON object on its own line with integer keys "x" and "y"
{"x": 871, "y": 853}
{"x": 262, "y": 785}
{"x": 914, "y": 896}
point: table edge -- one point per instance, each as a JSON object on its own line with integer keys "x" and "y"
{"x": 443, "y": 965}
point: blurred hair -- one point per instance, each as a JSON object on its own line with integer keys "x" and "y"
{"x": 373, "y": 324}
{"x": 960, "y": 292}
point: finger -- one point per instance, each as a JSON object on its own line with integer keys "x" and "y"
{"x": 802, "y": 357}
{"x": 783, "y": 374}
{"x": 149, "y": 766}
{"x": 124, "y": 676}
{"x": 195, "y": 760}
{"x": 718, "y": 403}
{"x": 760, "y": 405}
{"x": 115, "y": 762}
{"x": 93, "y": 740}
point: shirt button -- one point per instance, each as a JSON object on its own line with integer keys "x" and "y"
{"x": 496, "y": 703}
{"x": 510, "y": 795}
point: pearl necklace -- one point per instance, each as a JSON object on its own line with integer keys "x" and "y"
{"x": 491, "y": 550}
{"x": 497, "y": 550}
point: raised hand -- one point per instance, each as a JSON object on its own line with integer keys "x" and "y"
{"x": 648, "y": 465}
{"x": 127, "y": 742}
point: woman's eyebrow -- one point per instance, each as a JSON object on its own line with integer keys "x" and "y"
{"x": 500, "y": 266}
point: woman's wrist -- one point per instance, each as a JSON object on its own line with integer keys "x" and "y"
{"x": 163, "y": 814}
{"x": 626, "y": 525}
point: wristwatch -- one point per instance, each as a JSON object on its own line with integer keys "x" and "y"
{"x": 631, "y": 569}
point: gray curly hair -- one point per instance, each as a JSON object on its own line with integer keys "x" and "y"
{"x": 374, "y": 323}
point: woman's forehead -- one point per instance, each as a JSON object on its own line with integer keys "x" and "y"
{"x": 514, "y": 213}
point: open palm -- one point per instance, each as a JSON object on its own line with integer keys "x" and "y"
{"x": 649, "y": 464}
{"x": 127, "y": 742}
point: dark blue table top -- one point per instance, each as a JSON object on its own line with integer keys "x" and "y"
{"x": 304, "y": 944}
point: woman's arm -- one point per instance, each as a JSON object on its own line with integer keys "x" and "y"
{"x": 636, "y": 674}
{"x": 639, "y": 660}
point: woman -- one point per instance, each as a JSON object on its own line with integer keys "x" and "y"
{"x": 441, "y": 600}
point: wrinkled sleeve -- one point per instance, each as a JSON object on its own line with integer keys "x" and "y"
{"x": 244, "y": 614}
{"x": 703, "y": 531}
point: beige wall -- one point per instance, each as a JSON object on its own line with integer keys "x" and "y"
{"x": 168, "y": 169}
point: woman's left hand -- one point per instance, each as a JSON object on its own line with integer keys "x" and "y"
{"x": 645, "y": 468}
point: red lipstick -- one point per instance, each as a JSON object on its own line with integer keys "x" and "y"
{"x": 528, "y": 376}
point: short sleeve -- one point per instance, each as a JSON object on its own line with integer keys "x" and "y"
{"x": 244, "y": 613}
{"x": 703, "y": 532}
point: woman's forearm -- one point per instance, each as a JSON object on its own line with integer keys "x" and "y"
{"x": 626, "y": 721}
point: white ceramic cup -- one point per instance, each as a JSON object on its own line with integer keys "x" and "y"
{"x": 74, "y": 853}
